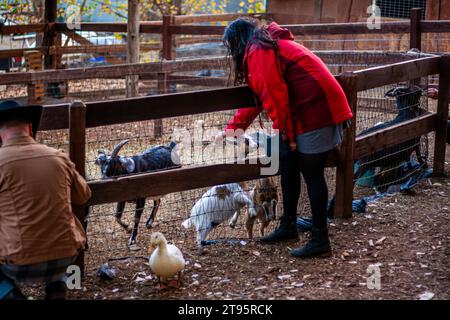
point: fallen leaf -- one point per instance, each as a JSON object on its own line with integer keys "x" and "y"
{"x": 260, "y": 288}
{"x": 139, "y": 279}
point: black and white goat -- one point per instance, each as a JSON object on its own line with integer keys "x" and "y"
{"x": 154, "y": 158}
{"x": 407, "y": 100}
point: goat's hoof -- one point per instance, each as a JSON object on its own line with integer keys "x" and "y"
{"x": 132, "y": 244}
{"x": 232, "y": 225}
{"x": 149, "y": 224}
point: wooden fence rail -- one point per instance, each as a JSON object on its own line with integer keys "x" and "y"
{"x": 149, "y": 27}
{"x": 148, "y": 70}
{"x": 179, "y": 104}
{"x": 415, "y": 28}
{"x": 112, "y": 71}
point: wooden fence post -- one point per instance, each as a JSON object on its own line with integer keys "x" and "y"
{"x": 166, "y": 54}
{"x": 50, "y": 14}
{"x": 132, "y": 82}
{"x": 77, "y": 153}
{"x": 344, "y": 170}
{"x": 442, "y": 116}
{"x": 415, "y": 33}
{"x": 35, "y": 91}
{"x": 167, "y": 37}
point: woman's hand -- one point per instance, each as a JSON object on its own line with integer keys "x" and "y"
{"x": 292, "y": 144}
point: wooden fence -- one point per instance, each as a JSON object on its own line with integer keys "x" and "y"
{"x": 78, "y": 116}
{"x": 172, "y": 26}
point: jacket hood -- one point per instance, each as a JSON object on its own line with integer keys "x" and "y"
{"x": 278, "y": 32}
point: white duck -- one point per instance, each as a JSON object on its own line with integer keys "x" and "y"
{"x": 166, "y": 260}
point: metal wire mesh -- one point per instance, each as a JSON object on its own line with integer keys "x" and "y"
{"x": 380, "y": 42}
{"x": 400, "y": 8}
{"x": 376, "y": 112}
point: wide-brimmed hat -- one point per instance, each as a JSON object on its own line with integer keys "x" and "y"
{"x": 13, "y": 110}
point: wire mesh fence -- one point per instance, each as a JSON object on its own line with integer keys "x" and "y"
{"x": 381, "y": 108}
{"x": 109, "y": 240}
{"x": 379, "y": 42}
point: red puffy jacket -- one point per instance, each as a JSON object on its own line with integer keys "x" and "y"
{"x": 296, "y": 88}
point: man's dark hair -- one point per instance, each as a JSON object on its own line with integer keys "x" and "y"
{"x": 236, "y": 38}
{"x": 13, "y": 122}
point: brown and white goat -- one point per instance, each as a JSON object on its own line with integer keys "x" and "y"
{"x": 264, "y": 197}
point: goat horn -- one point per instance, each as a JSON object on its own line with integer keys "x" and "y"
{"x": 118, "y": 147}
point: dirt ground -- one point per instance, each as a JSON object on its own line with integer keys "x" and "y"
{"x": 406, "y": 235}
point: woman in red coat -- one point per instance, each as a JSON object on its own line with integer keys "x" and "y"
{"x": 307, "y": 106}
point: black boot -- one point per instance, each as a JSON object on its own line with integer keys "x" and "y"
{"x": 287, "y": 230}
{"x": 318, "y": 245}
{"x": 56, "y": 291}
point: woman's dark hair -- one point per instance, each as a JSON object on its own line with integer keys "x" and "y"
{"x": 236, "y": 38}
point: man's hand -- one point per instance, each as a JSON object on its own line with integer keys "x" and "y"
{"x": 433, "y": 93}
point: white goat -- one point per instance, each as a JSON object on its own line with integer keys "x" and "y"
{"x": 218, "y": 204}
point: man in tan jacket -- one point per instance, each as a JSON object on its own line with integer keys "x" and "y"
{"x": 39, "y": 234}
